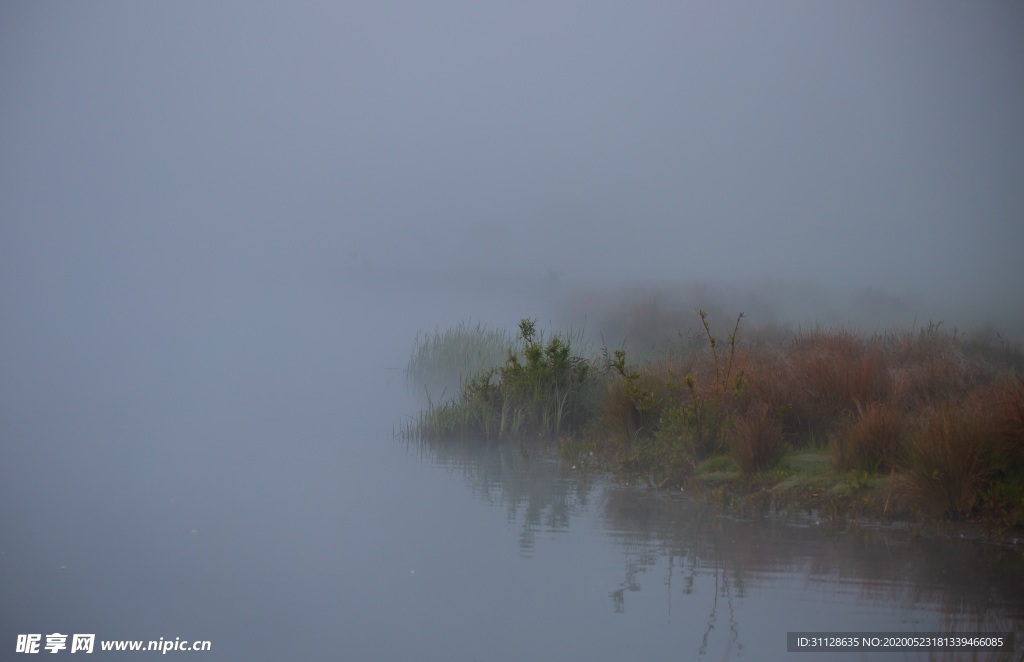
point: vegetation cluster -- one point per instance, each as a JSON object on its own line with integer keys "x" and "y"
{"x": 541, "y": 390}
{"x": 920, "y": 421}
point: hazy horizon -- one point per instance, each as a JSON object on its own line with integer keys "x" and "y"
{"x": 157, "y": 155}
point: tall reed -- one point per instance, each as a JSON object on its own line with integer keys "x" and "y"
{"x": 442, "y": 361}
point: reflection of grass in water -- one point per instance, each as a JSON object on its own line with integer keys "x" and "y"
{"x": 524, "y": 477}
{"x": 969, "y": 586}
{"x": 972, "y": 621}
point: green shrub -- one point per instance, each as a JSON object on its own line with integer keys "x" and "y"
{"x": 542, "y": 389}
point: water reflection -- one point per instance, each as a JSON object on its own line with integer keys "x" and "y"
{"x": 946, "y": 584}
{"x": 878, "y": 564}
{"x": 738, "y": 582}
{"x": 526, "y": 479}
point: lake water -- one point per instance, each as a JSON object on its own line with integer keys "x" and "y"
{"x": 234, "y": 476}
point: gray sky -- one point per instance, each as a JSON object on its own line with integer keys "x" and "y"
{"x": 153, "y": 151}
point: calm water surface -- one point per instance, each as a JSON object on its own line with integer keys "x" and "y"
{"x": 245, "y": 486}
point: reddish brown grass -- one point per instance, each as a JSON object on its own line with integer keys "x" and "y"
{"x": 1010, "y": 413}
{"x": 756, "y": 441}
{"x": 950, "y": 458}
{"x": 830, "y": 374}
{"x": 934, "y": 407}
{"x": 872, "y": 441}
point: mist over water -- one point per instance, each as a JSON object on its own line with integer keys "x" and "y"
{"x": 222, "y": 227}
{"x": 252, "y": 493}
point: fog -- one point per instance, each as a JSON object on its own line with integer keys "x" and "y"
{"x": 208, "y": 211}
{"x": 252, "y": 146}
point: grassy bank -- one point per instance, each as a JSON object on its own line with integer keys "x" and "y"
{"x": 913, "y": 423}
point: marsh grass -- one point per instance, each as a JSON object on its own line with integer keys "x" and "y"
{"x": 937, "y": 414}
{"x": 757, "y": 441}
{"x": 828, "y": 373}
{"x": 1009, "y": 399}
{"x": 1003, "y": 495}
{"x": 950, "y": 459}
{"x": 872, "y": 440}
{"x": 442, "y": 361}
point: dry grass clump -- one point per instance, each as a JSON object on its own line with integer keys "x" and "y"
{"x": 932, "y": 379}
{"x": 967, "y": 458}
{"x": 872, "y": 441}
{"x": 927, "y": 367}
{"x": 1009, "y": 399}
{"x": 931, "y": 365}
{"x": 768, "y": 378}
{"x": 757, "y": 441}
{"x": 1005, "y": 495}
{"x": 950, "y": 458}
{"x": 831, "y": 373}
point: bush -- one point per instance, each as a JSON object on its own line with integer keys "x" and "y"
{"x": 549, "y": 386}
{"x": 545, "y": 393}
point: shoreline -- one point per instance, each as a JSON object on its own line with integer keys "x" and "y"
{"x": 924, "y": 426}
{"x": 822, "y": 495}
